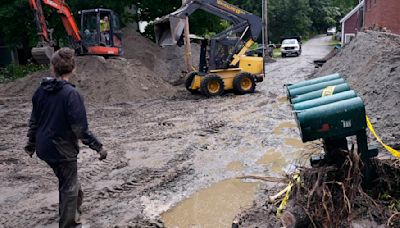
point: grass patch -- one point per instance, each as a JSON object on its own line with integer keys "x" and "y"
{"x": 12, "y": 72}
{"x": 277, "y": 53}
{"x": 334, "y": 43}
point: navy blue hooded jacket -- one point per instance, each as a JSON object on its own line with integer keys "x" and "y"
{"x": 57, "y": 121}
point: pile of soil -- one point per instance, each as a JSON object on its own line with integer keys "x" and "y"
{"x": 167, "y": 62}
{"x": 101, "y": 81}
{"x": 371, "y": 65}
{"x": 145, "y": 71}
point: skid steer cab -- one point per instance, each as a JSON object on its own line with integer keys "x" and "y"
{"x": 223, "y": 66}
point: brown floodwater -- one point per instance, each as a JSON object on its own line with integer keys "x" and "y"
{"x": 284, "y": 125}
{"x": 294, "y": 142}
{"x": 235, "y": 166}
{"x": 213, "y": 207}
{"x": 274, "y": 161}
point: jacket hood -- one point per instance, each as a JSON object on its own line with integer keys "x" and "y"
{"x": 53, "y": 85}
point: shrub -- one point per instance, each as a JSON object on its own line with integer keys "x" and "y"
{"x": 13, "y": 71}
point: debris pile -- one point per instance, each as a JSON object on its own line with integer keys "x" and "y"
{"x": 334, "y": 196}
{"x": 371, "y": 65}
{"x": 339, "y": 196}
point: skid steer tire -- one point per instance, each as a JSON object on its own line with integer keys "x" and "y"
{"x": 188, "y": 82}
{"x": 212, "y": 85}
{"x": 244, "y": 83}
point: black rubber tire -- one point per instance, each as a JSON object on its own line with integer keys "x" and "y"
{"x": 204, "y": 86}
{"x": 237, "y": 83}
{"x": 188, "y": 82}
{"x": 283, "y": 55}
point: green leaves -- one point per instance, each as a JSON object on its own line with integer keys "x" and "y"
{"x": 13, "y": 72}
{"x": 299, "y": 17}
{"x": 286, "y": 17}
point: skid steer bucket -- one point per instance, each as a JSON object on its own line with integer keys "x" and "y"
{"x": 168, "y": 30}
{"x": 42, "y": 55}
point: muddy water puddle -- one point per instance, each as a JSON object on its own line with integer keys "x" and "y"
{"x": 213, "y": 207}
{"x": 294, "y": 142}
{"x": 282, "y": 99}
{"x": 284, "y": 125}
{"x": 274, "y": 161}
{"x": 235, "y": 166}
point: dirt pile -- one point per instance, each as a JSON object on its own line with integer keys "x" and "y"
{"x": 101, "y": 81}
{"x": 371, "y": 65}
{"x": 167, "y": 63}
{"x": 145, "y": 71}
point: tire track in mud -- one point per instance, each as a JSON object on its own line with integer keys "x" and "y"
{"x": 148, "y": 181}
{"x": 31, "y": 216}
{"x": 142, "y": 182}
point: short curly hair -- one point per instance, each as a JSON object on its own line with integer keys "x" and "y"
{"x": 63, "y": 61}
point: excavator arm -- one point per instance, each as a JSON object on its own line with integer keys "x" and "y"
{"x": 169, "y": 29}
{"x": 42, "y": 53}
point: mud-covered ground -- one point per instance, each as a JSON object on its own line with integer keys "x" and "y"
{"x": 160, "y": 152}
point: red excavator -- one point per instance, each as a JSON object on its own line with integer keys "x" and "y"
{"x": 100, "y": 32}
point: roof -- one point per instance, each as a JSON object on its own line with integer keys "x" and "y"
{"x": 352, "y": 12}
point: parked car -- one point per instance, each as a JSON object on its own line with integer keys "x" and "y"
{"x": 331, "y": 31}
{"x": 291, "y": 46}
{"x": 260, "y": 51}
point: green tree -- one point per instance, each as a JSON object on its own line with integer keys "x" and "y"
{"x": 324, "y": 15}
{"x": 286, "y": 17}
{"x": 17, "y": 29}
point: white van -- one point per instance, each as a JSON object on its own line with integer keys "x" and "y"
{"x": 331, "y": 31}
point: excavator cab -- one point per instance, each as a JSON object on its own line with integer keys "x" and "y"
{"x": 101, "y": 32}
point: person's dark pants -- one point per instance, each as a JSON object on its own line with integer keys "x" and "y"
{"x": 70, "y": 193}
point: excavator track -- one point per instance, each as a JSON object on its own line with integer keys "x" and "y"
{"x": 42, "y": 55}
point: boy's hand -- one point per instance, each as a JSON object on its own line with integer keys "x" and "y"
{"x": 30, "y": 149}
{"x": 103, "y": 154}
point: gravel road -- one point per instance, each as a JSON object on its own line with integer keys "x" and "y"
{"x": 162, "y": 153}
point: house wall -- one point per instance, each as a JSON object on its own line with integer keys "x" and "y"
{"x": 351, "y": 24}
{"x": 383, "y": 13}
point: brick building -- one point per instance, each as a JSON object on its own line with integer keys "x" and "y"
{"x": 382, "y": 14}
{"x": 352, "y": 23}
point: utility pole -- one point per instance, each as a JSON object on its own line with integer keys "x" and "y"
{"x": 188, "y": 48}
{"x": 265, "y": 22}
